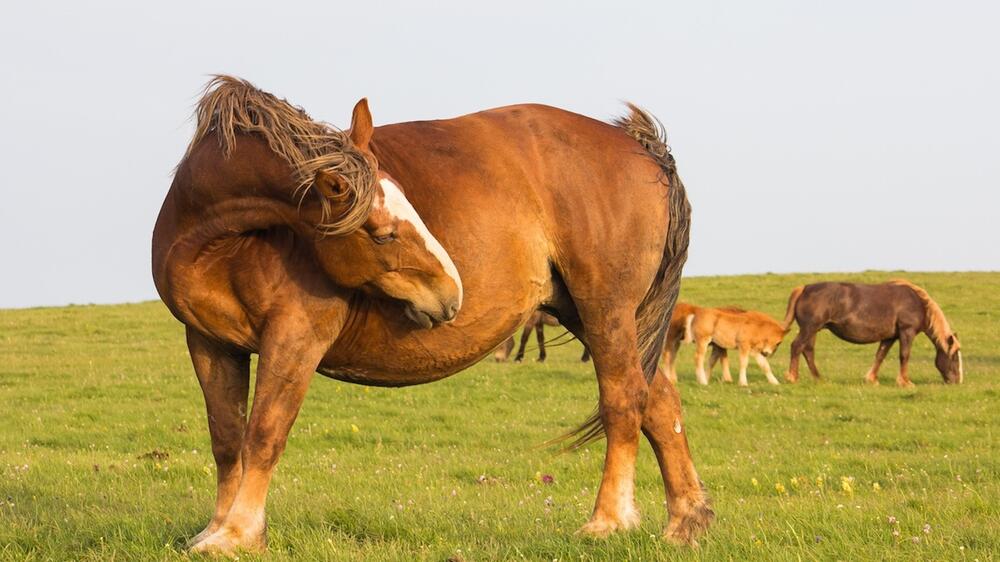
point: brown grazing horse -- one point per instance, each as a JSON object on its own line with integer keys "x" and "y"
{"x": 535, "y": 324}
{"x": 381, "y": 257}
{"x": 897, "y": 310}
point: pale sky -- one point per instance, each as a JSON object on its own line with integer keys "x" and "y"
{"x": 812, "y": 136}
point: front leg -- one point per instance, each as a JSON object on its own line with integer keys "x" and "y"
{"x": 288, "y": 358}
{"x": 763, "y": 364}
{"x": 744, "y": 361}
{"x": 905, "y": 342}
{"x": 224, "y": 375}
{"x": 883, "y": 349}
{"x": 701, "y": 347}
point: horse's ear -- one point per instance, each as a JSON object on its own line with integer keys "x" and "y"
{"x": 952, "y": 342}
{"x": 361, "y": 125}
{"x": 330, "y": 184}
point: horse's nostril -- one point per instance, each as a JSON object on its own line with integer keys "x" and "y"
{"x": 450, "y": 311}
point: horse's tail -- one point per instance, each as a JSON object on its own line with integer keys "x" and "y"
{"x": 688, "y": 329}
{"x": 653, "y": 315}
{"x": 793, "y": 299}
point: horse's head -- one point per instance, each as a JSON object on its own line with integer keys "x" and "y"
{"x": 949, "y": 360}
{"x": 392, "y": 253}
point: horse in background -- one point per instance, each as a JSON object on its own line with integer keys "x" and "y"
{"x": 536, "y": 323}
{"x": 377, "y": 256}
{"x": 750, "y": 332}
{"x": 861, "y": 313}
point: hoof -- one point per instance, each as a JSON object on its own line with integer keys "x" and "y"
{"x": 204, "y": 534}
{"x": 684, "y": 529}
{"x": 791, "y": 378}
{"x": 601, "y": 526}
{"x": 228, "y": 543}
{"x": 904, "y": 384}
{"x": 871, "y": 381}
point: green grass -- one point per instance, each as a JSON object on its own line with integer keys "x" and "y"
{"x": 104, "y": 451}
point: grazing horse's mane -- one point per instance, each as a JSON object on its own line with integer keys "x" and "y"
{"x": 231, "y": 105}
{"x": 937, "y": 325}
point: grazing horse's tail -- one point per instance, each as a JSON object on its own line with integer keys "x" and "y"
{"x": 653, "y": 315}
{"x": 793, "y": 299}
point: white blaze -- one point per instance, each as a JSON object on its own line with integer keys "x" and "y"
{"x": 961, "y": 374}
{"x": 399, "y": 206}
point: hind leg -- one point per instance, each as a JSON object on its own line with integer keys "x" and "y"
{"x": 721, "y": 354}
{"x": 611, "y": 336}
{"x": 662, "y": 424}
{"x": 540, "y": 336}
{"x": 807, "y": 334}
{"x": 883, "y": 349}
{"x": 525, "y": 334}
{"x": 763, "y": 364}
{"x": 224, "y": 377}
{"x": 810, "y": 352}
{"x": 727, "y": 374}
{"x": 670, "y": 358}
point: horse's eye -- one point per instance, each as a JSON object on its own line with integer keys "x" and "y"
{"x": 383, "y": 238}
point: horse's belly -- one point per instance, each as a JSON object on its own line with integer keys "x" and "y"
{"x": 856, "y": 334}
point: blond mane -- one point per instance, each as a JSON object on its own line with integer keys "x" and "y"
{"x": 231, "y": 105}
{"x": 937, "y": 325}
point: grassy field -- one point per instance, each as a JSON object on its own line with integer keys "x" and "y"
{"x": 104, "y": 451}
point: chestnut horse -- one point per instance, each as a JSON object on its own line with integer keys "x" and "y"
{"x": 403, "y": 254}
{"x": 537, "y": 323}
{"x": 897, "y": 310}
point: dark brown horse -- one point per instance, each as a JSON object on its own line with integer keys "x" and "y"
{"x": 403, "y": 254}
{"x": 537, "y": 323}
{"x": 885, "y": 313}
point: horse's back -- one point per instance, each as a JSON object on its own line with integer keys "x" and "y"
{"x": 860, "y": 312}
{"x": 579, "y": 193}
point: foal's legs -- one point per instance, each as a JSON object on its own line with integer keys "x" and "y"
{"x": 670, "y": 358}
{"x": 744, "y": 360}
{"x": 287, "y": 362}
{"x": 540, "y": 336}
{"x": 763, "y": 364}
{"x": 883, "y": 350}
{"x": 687, "y": 504}
{"x": 905, "y": 342}
{"x": 701, "y": 346}
{"x": 721, "y": 354}
{"x": 224, "y": 376}
{"x": 611, "y": 335}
